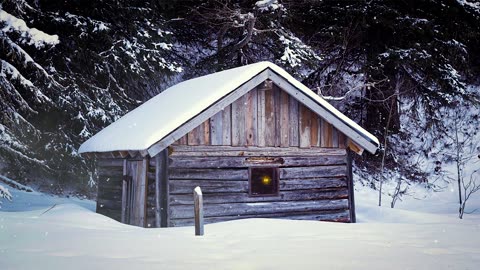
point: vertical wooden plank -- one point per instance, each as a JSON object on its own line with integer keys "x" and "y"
{"x": 293, "y": 122}
{"x": 238, "y": 122}
{"x": 139, "y": 207}
{"x": 182, "y": 140}
{"x": 227, "y": 125}
{"x": 327, "y": 134}
{"x": 216, "y": 129}
{"x": 276, "y": 106}
{"x": 319, "y": 123}
{"x": 200, "y": 134}
{"x": 314, "y": 139}
{"x": 161, "y": 189}
{"x": 304, "y": 123}
{"x": 124, "y": 192}
{"x": 351, "y": 190}
{"x": 261, "y": 118}
{"x": 193, "y": 137}
{"x": 341, "y": 140}
{"x": 158, "y": 179}
{"x": 206, "y": 132}
{"x": 132, "y": 173}
{"x": 251, "y": 117}
{"x": 284, "y": 119}
{"x": 269, "y": 117}
{"x": 334, "y": 137}
{"x": 161, "y": 177}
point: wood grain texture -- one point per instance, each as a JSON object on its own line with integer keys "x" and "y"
{"x": 327, "y": 134}
{"x": 138, "y": 207}
{"x": 183, "y": 140}
{"x": 193, "y": 136}
{"x": 208, "y": 186}
{"x": 304, "y": 126}
{"x": 243, "y": 162}
{"x": 313, "y": 172}
{"x": 124, "y": 192}
{"x": 227, "y": 125}
{"x": 334, "y": 137}
{"x": 314, "y": 130}
{"x": 241, "y": 209}
{"x": 251, "y": 122}
{"x": 261, "y": 124}
{"x": 213, "y": 174}
{"x": 206, "y": 133}
{"x": 265, "y": 118}
{"x": 293, "y": 122}
{"x": 341, "y": 140}
{"x": 277, "y": 108}
{"x": 161, "y": 189}
{"x": 207, "y": 113}
{"x": 198, "y": 211}
{"x": 332, "y": 215}
{"x": 216, "y": 129}
{"x": 183, "y": 150}
{"x": 284, "y": 116}
{"x": 238, "y": 122}
{"x": 269, "y": 132}
{"x": 292, "y": 195}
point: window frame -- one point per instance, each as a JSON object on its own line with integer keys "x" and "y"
{"x": 275, "y": 178}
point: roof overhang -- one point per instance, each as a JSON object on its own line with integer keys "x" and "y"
{"x": 250, "y": 78}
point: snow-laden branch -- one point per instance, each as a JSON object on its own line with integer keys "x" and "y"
{"x": 7, "y": 69}
{"x": 32, "y": 36}
{"x": 347, "y": 94}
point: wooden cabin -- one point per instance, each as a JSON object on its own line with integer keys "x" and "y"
{"x": 258, "y": 142}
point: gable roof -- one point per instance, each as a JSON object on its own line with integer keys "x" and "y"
{"x": 166, "y": 117}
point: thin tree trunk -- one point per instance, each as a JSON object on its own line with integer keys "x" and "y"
{"x": 384, "y": 153}
{"x": 459, "y": 175}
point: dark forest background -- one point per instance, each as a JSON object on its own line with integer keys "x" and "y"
{"x": 398, "y": 68}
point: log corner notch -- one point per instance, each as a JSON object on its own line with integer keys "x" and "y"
{"x": 354, "y": 147}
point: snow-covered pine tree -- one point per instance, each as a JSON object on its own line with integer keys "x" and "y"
{"x": 69, "y": 69}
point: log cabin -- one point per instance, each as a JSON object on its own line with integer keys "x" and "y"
{"x": 257, "y": 141}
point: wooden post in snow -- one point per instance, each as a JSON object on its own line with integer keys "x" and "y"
{"x": 198, "y": 210}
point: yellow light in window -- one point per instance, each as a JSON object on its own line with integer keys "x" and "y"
{"x": 266, "y": 180}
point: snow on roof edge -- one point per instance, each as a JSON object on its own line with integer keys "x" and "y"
{"x": 251, "y": 71}
{"x": 329, "y": 107}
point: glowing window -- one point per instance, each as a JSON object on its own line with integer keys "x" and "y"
{"x": 263, "y": 181}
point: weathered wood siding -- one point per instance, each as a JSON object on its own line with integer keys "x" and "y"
{"x": 310, "y": 153}
{"x": 313, "y": 183}
{"x": 109, "y": 194}
{"x": 265, "y": 118}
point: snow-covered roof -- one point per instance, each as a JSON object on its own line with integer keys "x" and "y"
{"x": 161, "y": 115}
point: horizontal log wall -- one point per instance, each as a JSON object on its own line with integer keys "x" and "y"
{"x": 312, "y": 186}
{"x": 265, "y": 118}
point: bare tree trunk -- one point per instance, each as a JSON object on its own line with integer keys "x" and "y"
{"x": 396, "y": 193}
{"x": 385, "y": 152}
{"x": 459, "y": 172}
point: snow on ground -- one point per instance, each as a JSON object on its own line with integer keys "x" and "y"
{"x": 26, "y": 199}
{"x": 74, "y": 237}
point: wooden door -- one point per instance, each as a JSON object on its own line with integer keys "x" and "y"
{"x": 134, "y": 192}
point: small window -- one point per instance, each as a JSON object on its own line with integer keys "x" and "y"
{"x": 263, "y": 181}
